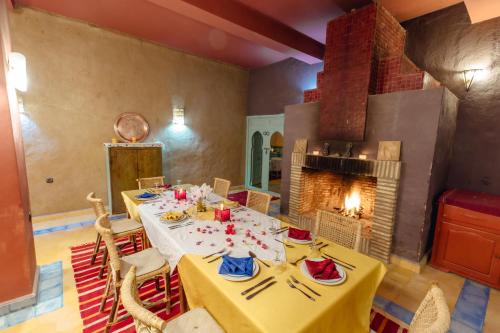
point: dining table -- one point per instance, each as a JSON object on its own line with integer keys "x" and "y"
{"x": 279, "y": 308}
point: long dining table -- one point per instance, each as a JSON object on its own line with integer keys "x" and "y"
{"x": 340, "y": 308}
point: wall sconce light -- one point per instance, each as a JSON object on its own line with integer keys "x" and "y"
{"x": 17, "y": 71}
{"x": 178, "y": 116}
{"x": 469, "y": 76}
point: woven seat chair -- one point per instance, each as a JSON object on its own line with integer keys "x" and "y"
{"x": 196, "y": 320}
{"x": 338, "y": 230}
{"x": 221, "y": 187}
{"x": 259, "y": 201}
{"x": 149, "y": 265}
{"x": 150, "y": 182}
{"x": 433, "y": 315}
{"x": 120, "y": 228}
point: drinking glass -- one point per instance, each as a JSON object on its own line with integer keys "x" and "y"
{"x": 278, "y": 263}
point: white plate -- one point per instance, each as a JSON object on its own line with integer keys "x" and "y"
{"x": 333, "y": 282}
{"x": 230, "y": 277}
{"x": 146, "y": 199}
{"x": 297, "y": 241}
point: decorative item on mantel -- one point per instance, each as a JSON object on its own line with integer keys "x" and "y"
{"x": 131, "y": 127}
{"x": 326, "y": 149}
{"x": 389, "y": 150}
{"x": 348, "y": 150}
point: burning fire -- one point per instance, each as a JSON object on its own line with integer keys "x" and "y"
{"x": 352, "y": 203}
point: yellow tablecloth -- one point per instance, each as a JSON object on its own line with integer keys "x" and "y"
{"x": 343, "y": 308}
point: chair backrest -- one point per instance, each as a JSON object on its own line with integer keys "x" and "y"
{"x": 150, "y": 182}
{"x": 433, "y": 315}
{"x": 101, "y": 225}
{"x": 145, "y": 321}
{"x": 332, "y": 226}
{"x": 97, "y": 205}
{"x": 258, "y": 201}
{"x": 221, "y": 187}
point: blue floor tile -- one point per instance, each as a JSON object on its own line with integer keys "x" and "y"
{"x": 73, "y": 225}
{"x": 470, "y": 309}
{"x": 49, "y": 297}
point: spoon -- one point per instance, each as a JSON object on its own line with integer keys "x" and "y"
{"x": 253, "y": 255}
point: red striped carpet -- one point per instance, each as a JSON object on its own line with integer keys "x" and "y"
{"x": 90, "y": 290}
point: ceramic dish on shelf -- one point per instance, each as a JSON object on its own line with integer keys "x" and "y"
{"x": 238, "y": 278}
{"x": 131, "y": 127}
{"x": 332, "y": 282}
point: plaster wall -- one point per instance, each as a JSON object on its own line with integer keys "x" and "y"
{"x": 82, "y": 77}
{"x": 273, "y": 87}
{"x": 445, "y": 43}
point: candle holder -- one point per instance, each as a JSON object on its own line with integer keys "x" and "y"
{"x": 180, "y": 194}
{"x": 222, "y": 214}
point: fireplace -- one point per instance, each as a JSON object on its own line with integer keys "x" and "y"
{"x": 364, "y": 190}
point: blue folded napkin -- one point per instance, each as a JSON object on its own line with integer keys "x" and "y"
{"x": 236, "y": 266}
{"x": 145, "y": 195}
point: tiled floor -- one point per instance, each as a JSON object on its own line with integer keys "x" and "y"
{"x": 400, "y": 292}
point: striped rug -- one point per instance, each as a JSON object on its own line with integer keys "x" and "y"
{"x": 90, "y": 290}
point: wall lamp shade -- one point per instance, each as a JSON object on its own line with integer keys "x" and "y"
{"x": 17, "y": 71}
{"x": 178, "y": 116}
{"x": 468, "y": 76}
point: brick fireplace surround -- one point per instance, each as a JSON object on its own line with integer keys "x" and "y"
{"x": 310, "y": 171}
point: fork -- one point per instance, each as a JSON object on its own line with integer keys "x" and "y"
{"x": 300, "y": 283}
{"x": 287, "y": 245}
{"x": 297, "y": 261}
{"x": 212, "y": 254}
{"x": 302, "y": 291}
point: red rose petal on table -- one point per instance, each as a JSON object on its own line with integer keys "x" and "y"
{"x": 228, "y": 239}
{"x": 254, "y": 238}
{"x": 259, "y": 242}
{"x": 264, "y": 246}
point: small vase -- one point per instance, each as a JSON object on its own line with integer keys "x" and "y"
{"x": 200, "y": 206}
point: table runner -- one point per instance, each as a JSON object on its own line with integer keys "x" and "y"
{"x": 343, "y": 308}
{"x": 205, "y": 237}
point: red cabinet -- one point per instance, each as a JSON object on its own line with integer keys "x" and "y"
{"x": 467, "y": 237}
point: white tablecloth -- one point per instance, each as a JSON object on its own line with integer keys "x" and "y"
{"x": 206, "y": 237}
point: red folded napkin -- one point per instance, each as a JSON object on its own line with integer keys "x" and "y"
{"x": 322, "y": 270}
{"x": 299, "y": 234}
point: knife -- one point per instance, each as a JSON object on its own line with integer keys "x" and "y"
{"x": 257, "y": 285}
{"x": 260, "y": 290}
{"x": 281, "y": 231}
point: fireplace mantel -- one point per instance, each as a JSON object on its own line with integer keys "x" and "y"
{"x": 356, "y": 166}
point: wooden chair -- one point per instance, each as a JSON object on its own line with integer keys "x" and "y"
{"x": 196, "y": 320}
{"x": 259, "y": 201}
{"x": 433, "y": 315}
{"x": 119, "y": 228}
{"x": 150, "y": 182}
{"x": 221, "y": 187}
{"x": 149, "y": 265}
{"x": 339, "y": 230}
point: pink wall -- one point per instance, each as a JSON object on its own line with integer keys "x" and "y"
{"x": 17, "y": 252}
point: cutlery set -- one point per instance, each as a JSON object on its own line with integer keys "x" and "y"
{"x": 339, "y": 262}
{"x": 178, "y": 226}
{"x": 287, "y": 245}
{"x": 270, "y": 281}
{"x": 279, "y": 231}
{"x": 218, "y": 257}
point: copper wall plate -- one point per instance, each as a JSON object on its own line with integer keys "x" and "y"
{"x": 129, "y": 125}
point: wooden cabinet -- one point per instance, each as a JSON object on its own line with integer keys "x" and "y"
{"x": 467, "y": 240}
{"x": 127, "y": 162}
